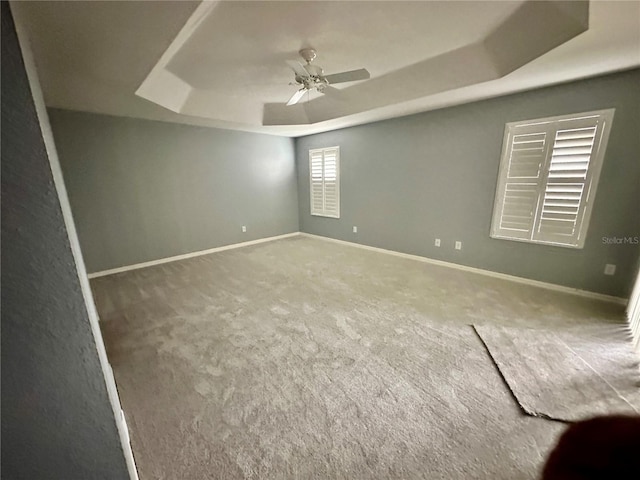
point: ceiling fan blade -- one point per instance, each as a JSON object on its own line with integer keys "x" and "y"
{"x": 298, "y": 68}
{"x": 350, "y": 76}
{"x": 333, "y": 92}
{"x": 296, "y": 96}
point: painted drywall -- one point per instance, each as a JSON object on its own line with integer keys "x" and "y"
{"x": 57, "y": 420}
{"x": 142, "y": 190}
{"x": 407, "y": 181}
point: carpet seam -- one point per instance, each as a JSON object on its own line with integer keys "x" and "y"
{"x": 620, "y": 396}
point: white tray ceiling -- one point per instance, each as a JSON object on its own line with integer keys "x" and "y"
{"x": 223, "y": 63}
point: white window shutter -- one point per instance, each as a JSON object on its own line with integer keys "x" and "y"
{"x": 324, "y": 173}
{"x": 317, "y": 187}
{"x": 331, "y": 183}
{"x": 569, "y": 175}
{"x": 548, "y": 174}
{"x": 520, "y": 182}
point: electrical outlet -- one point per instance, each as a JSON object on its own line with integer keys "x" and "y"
{"x": 458, "y": 245}
{"x": 437, "y": 242}
{"x": 355, "y": 229}
{"x": 244, "y": 229}
{"x": 609, "y": 269}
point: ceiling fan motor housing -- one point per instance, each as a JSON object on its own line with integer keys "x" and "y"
{"x": 312, "y": 82}
{"x": 315, "y": 78}
{"x": 316, "y": 73}
{"x": 310, "y": 76}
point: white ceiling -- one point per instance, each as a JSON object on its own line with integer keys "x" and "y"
{"x": 221, "y": 62}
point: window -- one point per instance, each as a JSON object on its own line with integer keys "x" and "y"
{"x": 324, "y": 173}
{"x": 548, "y": 177}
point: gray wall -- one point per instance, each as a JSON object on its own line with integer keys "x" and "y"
{"x": 142, "y": 190}
{"x": 407, "y": 181}
{"x": 57, "y": 422}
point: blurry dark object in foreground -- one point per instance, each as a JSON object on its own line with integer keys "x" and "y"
{"x": 601, "y": 448}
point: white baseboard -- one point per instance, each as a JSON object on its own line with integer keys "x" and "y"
{"x": 489, "y": 273}
{"x": 160, "y": 261}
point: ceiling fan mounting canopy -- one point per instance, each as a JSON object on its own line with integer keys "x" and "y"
{"x": 311, "y": 76}
{"x": 308, "y": 54}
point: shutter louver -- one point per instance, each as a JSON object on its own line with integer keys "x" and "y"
{"x": 548, "y": 169}
{"x": 324, "y": 171}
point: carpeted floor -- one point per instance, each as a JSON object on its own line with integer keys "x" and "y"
{"x": 302, "y": 358}
{"x": 567, "y": 374}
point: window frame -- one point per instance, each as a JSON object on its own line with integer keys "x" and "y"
{"x": 603, "y": 121}
{"x": 324, "y": 212}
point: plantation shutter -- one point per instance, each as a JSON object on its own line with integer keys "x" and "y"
{"x": 317, "y": 183}
{"x": 324, "y": 169}
{"x": 564, "y": 199}
{"x": 331, "y": 185}
{"x": 547, "y": 179}
{"x": 521, "y": 182}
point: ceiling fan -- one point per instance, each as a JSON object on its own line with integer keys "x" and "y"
{"x": 311, "y": 76}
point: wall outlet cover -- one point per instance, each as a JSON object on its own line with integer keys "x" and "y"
{"x": 609, "y": 269}
{"x": 458, "y": 245}
{"x": 437, "y": 242}
{"x": 244, "y": 228}
{"x": 355, "y": 229}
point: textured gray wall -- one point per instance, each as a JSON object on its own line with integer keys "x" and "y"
{"x": 142, "y": 190}
{"x": 57, "y": 422}
{"x": 407, "y": 181}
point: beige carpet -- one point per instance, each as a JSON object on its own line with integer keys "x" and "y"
{"x": 567, "y": 374}
{"x": 304, "y": 359}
